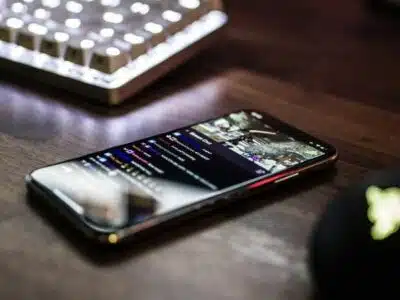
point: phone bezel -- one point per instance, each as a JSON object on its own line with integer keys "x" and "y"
{"x": 124, "y": 233}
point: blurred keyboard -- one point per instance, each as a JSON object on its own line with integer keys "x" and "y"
{"x": 105, "y": 49}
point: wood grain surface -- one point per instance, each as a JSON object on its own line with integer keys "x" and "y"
{"x": 331, "y": 68}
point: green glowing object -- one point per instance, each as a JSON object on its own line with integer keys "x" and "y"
{"x": 384, "y": 211}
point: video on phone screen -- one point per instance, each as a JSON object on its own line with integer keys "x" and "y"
{"x": 258, "y": 142}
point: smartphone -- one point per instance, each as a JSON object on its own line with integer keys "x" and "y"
{"x": 118, "y": 193}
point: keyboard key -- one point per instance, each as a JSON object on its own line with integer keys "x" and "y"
{"x": 191, "y": 4}
{"x": 51, "y": 3}
{"x": 157, "y": 32}
{"x": 19, "y": 8}
{"x": 79, "y": 51}
{"x": 42, "y": 14}
{"x": 107, "y": 32}
{"x": 110, "y": 3}
{"x": 175, "y": 21}
{"x": 73, "y": 7}
{"x": 111, "y": 17}
{"x": 109, "y": 58}
{"x": 138, "y": 42}
{"x": 73, "y": 23}
{"x": 140, "y": 8}
{"x": 193, "y": 9}
{"x": 8, "y": 29}
{"x": 31, "y": 36}
{"x": 54, "y": 43}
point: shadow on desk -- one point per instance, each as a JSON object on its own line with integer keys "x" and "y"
{"x": 108, "y": 255}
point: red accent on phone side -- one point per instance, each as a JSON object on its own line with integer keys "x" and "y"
{"x": 268, "y": 180}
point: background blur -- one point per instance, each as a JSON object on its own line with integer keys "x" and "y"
{"x": 342, "y": 47}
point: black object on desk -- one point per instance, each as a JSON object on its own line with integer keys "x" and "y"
{"x": 355, "y": 246}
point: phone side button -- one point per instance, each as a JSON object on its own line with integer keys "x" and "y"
{"x": 286, "y": 178}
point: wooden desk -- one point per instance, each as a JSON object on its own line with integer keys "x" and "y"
{"x": 331, "y": 69}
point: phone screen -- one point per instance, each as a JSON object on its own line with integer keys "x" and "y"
{"x": 166, "y": 172}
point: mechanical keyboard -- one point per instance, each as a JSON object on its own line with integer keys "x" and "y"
{"x": 106, "y": 50}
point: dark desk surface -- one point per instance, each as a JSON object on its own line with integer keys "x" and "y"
{"x": 330, "y": 68}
